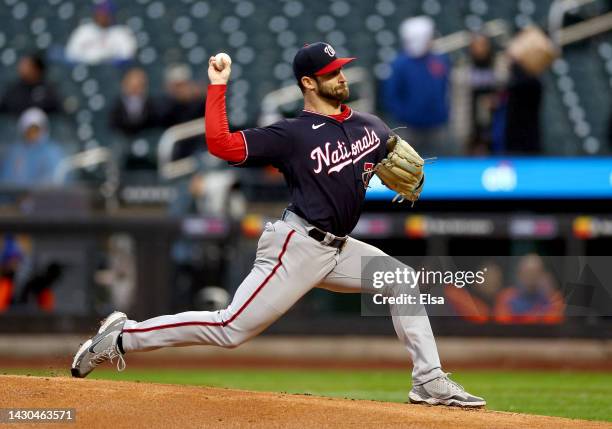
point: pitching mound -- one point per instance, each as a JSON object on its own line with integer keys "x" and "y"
{"x": 104, "y": 404}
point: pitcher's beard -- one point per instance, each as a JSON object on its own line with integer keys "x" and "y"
{"x": 339, "y": 94}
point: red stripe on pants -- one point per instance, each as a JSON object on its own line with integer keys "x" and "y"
{"x": 240, "y": 310}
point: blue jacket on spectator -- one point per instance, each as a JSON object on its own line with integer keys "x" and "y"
{"x": 34, "y": 158}
{"x": 416, "y": 93}
{"x": 31, "y": 163}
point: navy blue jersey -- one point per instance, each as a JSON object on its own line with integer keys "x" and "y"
{"x": 322, "y": 161}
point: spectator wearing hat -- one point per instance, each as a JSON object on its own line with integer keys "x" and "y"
{"x": 101, "y": 40}
{"x": 34, "y": 158}
{"x": 416, "y": 94}
{"x": 184, "y": 99}
{"x": 31, "y": 89}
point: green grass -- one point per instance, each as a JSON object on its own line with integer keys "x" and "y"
{"x": 583, "y": 395}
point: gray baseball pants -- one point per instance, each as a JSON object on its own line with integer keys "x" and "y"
{"x": 288, "y": 264}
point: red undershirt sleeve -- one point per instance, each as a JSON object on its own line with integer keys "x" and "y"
{"x": 221, "y": 143}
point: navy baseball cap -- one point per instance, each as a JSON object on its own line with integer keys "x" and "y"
{"x": 317, "y": 59}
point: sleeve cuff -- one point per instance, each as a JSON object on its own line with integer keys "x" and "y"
{"x": 246, "y": 151}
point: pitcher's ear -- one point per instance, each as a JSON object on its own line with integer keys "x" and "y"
{"x": 308, "y": 82}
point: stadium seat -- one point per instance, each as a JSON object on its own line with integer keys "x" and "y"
{"x": 261, "y": 37}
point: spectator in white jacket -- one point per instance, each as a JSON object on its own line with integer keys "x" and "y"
{"x": 101, "y": 40}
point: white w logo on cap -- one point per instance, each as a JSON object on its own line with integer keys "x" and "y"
{"x": 329, "y": 50}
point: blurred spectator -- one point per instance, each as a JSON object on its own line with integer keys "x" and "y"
{"x": 10, "y": 259}
{"x": 101, "y": 40}
{"x": 534, "y": 298}
{"x": 476, "y": 94}
{"x": 184, "y": 98}
{"x": 134, "y": 110}
{"x": 118, "y": 274}
{"x": 531, "y": 53}
{"x": 215, "y": 194}
{"x": 478, "y": 302}
{"x": 39, "y": 287}
{"x": 416, "y": 92}
{"x": 212, "y": 190}
{"x": 19, "y": 284}
{"x": 31, "y": 89}
{"x": 33, "y": 159}
{"x": 522, "y": 132}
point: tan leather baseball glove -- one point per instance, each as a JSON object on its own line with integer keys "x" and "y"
{"x": 402, "y": 170}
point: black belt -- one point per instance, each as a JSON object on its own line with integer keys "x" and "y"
{"x": 319, "y": 235}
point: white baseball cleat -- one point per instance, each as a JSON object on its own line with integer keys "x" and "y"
{"x": 444, "y": 391}
{"x": 101, "y": 347}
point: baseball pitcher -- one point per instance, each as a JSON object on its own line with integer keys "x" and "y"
{"x": 326, "y": 154}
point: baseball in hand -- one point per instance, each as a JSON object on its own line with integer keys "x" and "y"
{"x": 222, "y": 60}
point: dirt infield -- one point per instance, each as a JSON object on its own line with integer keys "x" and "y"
{"x": 103, "y": 404}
